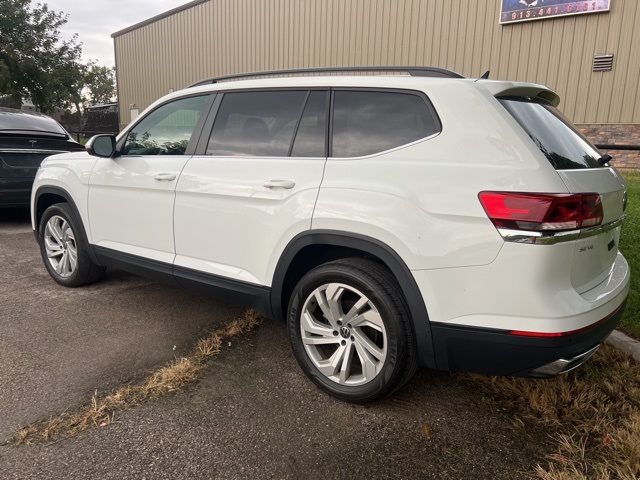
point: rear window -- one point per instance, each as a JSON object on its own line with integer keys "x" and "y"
{"x": 23, "y": 122}
{"x": 564, "y": 146}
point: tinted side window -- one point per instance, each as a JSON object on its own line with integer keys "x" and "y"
{"x": 311, "y": 136}
{"x": 366, "y": 122}
{"x": 167, "y": 130}
{"x": 256, "y": 123}
{"x": 561, "y": 143}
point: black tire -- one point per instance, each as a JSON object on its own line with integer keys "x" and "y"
{"x": 389, "y": 345}
{"x": 66, "y": 239}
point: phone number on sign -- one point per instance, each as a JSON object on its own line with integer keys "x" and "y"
{"x": 550, "y": 11}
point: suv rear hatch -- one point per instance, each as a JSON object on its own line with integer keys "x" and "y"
{"x": 577, "y": 162}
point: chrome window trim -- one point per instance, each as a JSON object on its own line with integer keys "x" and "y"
{"x": 551, "y": 238}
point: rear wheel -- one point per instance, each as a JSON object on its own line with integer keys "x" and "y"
{"x": 63, "y": 249}
{"x": 350, "y": 330}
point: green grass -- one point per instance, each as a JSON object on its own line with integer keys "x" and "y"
{"x": 630, "y": 247}
{"x": 592, "y": 415}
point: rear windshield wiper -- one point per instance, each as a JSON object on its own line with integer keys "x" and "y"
{"x": 604, "y": 159}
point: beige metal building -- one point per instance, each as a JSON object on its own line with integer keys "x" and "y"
{"x": 207, "y": 38}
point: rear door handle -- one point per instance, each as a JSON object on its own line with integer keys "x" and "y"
{"x": 287, "y": 184}
{"x": 164, "y": 177}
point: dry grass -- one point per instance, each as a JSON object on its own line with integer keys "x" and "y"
{"x": 593, "y": 414}
{"x": 173, "y": 377}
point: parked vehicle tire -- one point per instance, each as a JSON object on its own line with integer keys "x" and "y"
{"x": 63, "y": 248}
{"x": 350, "y": 330}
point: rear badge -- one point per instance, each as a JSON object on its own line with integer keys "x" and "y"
{"x": 611, "y": 244}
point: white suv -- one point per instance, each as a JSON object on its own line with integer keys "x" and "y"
{"x": 392, "y": 220}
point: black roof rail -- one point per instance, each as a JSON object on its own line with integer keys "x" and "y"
{"x": 413, "y": 71}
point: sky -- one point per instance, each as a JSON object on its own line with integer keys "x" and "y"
{"x": 95, "y": 20}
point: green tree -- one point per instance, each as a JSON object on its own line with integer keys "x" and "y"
{"x": 101, "y": 83}
{"x": 90, "y": 84}
{"x": 75, "y": 82}
{"x": 34, "y": 63}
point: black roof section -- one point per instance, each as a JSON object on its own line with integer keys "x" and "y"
{"x": 413, "y": 71}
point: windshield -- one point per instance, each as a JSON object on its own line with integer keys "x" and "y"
{"x": 563, "y": 145}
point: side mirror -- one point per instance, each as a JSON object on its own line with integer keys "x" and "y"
{"x": 102, "y": 146}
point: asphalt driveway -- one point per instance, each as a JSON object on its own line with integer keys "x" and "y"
{"x": 58, "y": 345}
{"x": 252, "y": 415}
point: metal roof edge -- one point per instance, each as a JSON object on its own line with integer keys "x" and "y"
{"x": 151, "y": 20}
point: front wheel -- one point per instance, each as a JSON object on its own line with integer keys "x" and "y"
{"x": 63, "y": 249}
{"x": 350, "y": 330}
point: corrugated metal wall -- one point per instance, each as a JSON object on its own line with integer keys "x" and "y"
{"x": 221, "y": 37}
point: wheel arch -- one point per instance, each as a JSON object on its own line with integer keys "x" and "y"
{"x": 47, "y": 196}
{"x": 310, "y": 249}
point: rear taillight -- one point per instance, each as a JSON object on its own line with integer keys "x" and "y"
{"x": 542, "y": 212}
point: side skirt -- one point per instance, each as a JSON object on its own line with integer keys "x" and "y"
{"x": 227, "y": 290}
{"x": 257, "y": 297}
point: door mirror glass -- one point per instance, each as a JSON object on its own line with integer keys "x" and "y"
{"x": 102, "y": 146}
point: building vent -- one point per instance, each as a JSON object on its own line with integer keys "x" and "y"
{"x": 603, "y": 63}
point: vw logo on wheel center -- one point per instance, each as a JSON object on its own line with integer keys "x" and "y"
{"x": 345, "y": 332}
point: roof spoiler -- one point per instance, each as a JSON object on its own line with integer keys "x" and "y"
{"x": 516, "y": 89}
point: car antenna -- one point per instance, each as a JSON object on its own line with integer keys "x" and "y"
{"x": 485, "y": 75}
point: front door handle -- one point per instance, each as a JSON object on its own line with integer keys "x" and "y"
{"x": 279, "y": 184}
{"x": 164, "y": 177}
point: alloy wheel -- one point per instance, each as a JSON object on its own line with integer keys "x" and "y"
{"x": 60, "y": 246}
{"x": 343, "y": 334}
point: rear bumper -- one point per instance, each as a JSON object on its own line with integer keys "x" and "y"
{"x": 15, "y": 192}
{"x": 15, "y": 198}
{"x": 496, "y": 352}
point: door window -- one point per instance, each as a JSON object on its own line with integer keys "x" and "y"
{"x": 256, "y": 123}
{"x": 167, "y": 130}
